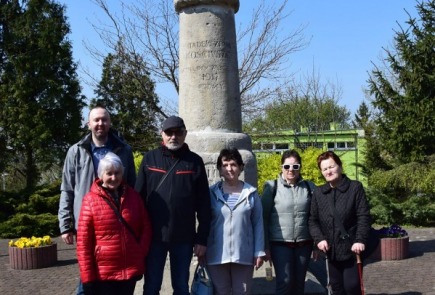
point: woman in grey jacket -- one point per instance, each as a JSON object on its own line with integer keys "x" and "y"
{"x": 286, "y": 206}
{"x": 236, "y": 241}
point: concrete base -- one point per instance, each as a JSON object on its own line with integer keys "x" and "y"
{"x": 208, "y": 144}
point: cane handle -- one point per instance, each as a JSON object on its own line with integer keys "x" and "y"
{"x": 358, "y": 258}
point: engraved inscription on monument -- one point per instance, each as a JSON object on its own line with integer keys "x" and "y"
{"x": 209, "y": 69}
{"x": 209, "y": 75}
{"x": 209, "y": 94}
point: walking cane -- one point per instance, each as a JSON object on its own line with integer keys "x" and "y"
{"x": 360, "y": 272}
{"x": 328, "y": 284}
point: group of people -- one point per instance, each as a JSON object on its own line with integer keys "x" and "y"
{"x": 125, "y": 227}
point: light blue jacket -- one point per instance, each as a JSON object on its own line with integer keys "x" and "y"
{"x": 236, "y": 235}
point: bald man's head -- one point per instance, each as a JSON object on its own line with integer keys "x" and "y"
{"x": 99, "y": 124}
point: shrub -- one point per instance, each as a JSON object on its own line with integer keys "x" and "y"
{"x": 137, "y": 156}
{"x": 38, "y": 204}
{"x": 21, "y": 225}
{"x": 415, "y": 210}
{"x": 33, "y": 214}
{"x": 269, "y": 166}
{"x": 7, "y": 205}
{"x": 405, "y": 194}
{"x": 310, "y": 171}
{"x": 407, "y": 179}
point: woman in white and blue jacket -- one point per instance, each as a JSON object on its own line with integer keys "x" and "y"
{"x": 236, "y": 241}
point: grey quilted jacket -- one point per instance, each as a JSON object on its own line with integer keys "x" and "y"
{"x": 286, "y": 214}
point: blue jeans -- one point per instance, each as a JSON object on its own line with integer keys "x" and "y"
{"x": 290, "y": 266}
{"x": 80, "y": 290}
{"x": 180, "y": 256}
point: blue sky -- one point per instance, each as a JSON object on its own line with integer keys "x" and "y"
{"x": 346, "y": 37}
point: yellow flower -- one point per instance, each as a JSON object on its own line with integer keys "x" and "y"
{"x": 32, "y": 242}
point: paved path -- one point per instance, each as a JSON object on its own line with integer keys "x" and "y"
{"x": 412, "y": 276}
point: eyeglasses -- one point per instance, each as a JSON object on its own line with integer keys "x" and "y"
{"x": 176, "y": 132}
{"x": 293, "y": 166}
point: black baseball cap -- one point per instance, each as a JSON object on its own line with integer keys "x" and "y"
{"x": 173, "y": 122}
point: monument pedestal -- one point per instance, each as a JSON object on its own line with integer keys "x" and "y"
{"x": 208, "y": 144}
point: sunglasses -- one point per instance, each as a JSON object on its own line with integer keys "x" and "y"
{"x": 176, "y": 132}
{"x": 293, "y": 166}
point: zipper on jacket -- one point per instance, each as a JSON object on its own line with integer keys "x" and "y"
{"x": 231, "y": 235}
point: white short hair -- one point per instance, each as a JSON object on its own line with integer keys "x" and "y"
{"x": 110, "y": 160}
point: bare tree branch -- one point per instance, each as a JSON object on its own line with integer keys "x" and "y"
{"x": 149, "y": 28}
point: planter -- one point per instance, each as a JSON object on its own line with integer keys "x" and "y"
{"x": 31, "y": 258}
{"x": 394, "y": 248}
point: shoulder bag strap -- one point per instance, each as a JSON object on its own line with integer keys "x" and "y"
{"x": 275, "y": 188}
{"x": 163, "y": 179}
{"x": 310, "y": 193}
{"x": 121, "y": 219}
{"x": 166, "y": 175}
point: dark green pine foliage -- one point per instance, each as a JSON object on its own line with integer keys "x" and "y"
{"x": 128, "y": 93}
{"x": 404, "y": 94}
{"x": 40, "y": 113}
{"x": 372, "y": 153}
{"x": 362, "y": 116}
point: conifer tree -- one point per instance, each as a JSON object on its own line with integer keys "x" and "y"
{"x": 40, "y": 113}
{"x": 404, "y": 93}
{"x": 128, "y": 93}
{"x": 372, "y": 153}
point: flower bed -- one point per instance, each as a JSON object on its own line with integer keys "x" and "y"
{"x": 32, "y": 253}
{"x": 394, "y": 231}
{"x": 394, "y": 243}
{"x": 394, "y": 248}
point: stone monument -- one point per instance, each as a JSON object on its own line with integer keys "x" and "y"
{"x": 209, "y": 94}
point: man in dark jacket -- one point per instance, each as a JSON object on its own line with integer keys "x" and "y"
{"x": 173, "y": 183}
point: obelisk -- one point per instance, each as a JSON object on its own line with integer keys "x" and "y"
{"x": 209, "y": 93}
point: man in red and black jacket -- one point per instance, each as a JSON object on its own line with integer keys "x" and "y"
{"x": 173, "y": 183}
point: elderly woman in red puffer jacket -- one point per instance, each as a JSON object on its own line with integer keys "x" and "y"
{"x": 114, "y": 233}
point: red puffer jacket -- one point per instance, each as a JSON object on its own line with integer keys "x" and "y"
{"x": 106, "y": 249}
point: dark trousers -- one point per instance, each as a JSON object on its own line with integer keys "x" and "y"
{"x": 344, "y": 277}
{"x": 180, "y": 256}
{"x": 125, "y": 287}
{"x": 291, "y": 264}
